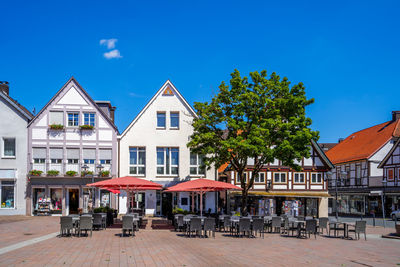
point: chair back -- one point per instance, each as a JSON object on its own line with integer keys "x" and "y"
{"x": 311, "y": 226}
{"x": 209, "y": 224}
{"x": 127, "y": 222}
{"x": 361, "y": 226}
{"x": 300, "y": 218}
{"x": 179, "y": 220}
{"x": 244, "y": 224}
{"x": 66, "y": 222}
{"x": 323, "y": 222}
{"x": 97, "y": 218}
{"x": 86, "y": 223}
{"x": 195, "y": 224}
{"x": 136, "y": 215}
{"x": 309, "y": 218}
{"x": 227, "y": 221}
{"x": 258, "y": 224}
{"x": 276, "y": 222}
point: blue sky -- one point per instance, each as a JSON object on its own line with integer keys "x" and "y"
{"x": 345, "y": 52}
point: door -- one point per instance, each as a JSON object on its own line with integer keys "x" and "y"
{"x": 73, "y": 201}
{"x": 166, "y": 207}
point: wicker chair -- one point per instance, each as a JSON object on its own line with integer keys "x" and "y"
{"x": 66, "y": 225}
{"x": 179, "y": 225}
{"x": 323, "y": 224}
{"x": 195, "y": 226}
{"x": 258, "y": 226}
{"x": 310, "y": 228}
{"x": 86, "y": 224}
{"x": 127, "y": 225}
{"x": 276, "y": 224}
{"x": 209, "y": 226}
{"x": 227, "y": 223}
{"x": 244, "y": 226}
{"x": 360, "y": 227}
{"x": 97, "y": 221}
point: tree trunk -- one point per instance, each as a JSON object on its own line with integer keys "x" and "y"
{"x": 244, "y": 202}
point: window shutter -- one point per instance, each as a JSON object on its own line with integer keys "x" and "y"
{"x": 72, "y": 153}
{"x": 39, "y": 153}
{"x": 89, "y": 153}
{"x": 56, "y": 153}
{"x": 105, "y": 153}
{"x": 56, "y": 117}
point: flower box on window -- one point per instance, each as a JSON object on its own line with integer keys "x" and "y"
{"x": 105, "y": 173}
{"x": 56, "y": 127}
{"x": 52, "y": 173}
{"x": 86, "y": 127}
{"x": 35, "y": 172}
{"x": 71, "y": 173}
{"x": 84, "y": 173}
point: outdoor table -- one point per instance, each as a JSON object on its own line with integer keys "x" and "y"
{"x": 338, "y": 223}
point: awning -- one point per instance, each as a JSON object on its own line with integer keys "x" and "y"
{"x": 203, "y": 185}
{"x": 127, "y": 183}
{"x": 286, "y": 194}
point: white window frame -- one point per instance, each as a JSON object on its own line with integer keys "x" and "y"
{"x": 170, "y": 120}
{"x": 257, "y": 179}
{"x": 89, "y": 119}
{"x": 299, "y": 180}
{"x": 74, "y": 122}
{"x": 1, "y": 192}
{"x": 137, "y": 165}
{"x": 281, "y": 174}
{"x": 4, "y": 148}
{"x": 165, "y": 117}
{"x": 167, "y": 165}
{"x": 197, "y": 166}
{"x": 245, "y": 177}
{"x": 317, "y": 174}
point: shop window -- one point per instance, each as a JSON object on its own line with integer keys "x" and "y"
{"x": 104, "y": 198}
{"x": 7, "y": 194}
{"x": 38, "y": 196}
{"x": 56, "y": 200}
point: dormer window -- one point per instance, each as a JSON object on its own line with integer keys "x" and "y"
{"x": 73, "y": 119}
{"x": 161, "y": 120}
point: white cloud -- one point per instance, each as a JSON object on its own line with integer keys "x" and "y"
{"x": 132, "y": 94}
{"x": 110, "y": 43}
{"x": 112, "y": 54}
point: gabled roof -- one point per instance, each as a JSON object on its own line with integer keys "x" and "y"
{"x": 383, "y": 162}
{"x": 322, "y": 154}
{"x": 21, "y": 109}
{"x": 72, "y": 79}
{"x": 365, "y": 143}
{"x": 163, "y": 87}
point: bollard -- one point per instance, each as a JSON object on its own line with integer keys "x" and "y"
{"x": 373, "y": 219}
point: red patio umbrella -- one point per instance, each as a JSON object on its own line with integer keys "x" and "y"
{"x": 127, "y": 183}
{"x": 202, "y": 185}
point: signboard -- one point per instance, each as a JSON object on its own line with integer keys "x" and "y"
{"x": 376, "y": 193}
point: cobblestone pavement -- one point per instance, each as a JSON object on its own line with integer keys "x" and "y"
{"x": 168, "y": 248}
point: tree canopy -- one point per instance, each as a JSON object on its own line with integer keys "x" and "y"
{"x": 260, "y": 119}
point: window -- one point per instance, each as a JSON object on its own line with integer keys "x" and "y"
{"x": 137, "y": 160}
{"x": 280, "y": 177}
{"x": 260, "y": 178}
{"x": 196, "y": 164}
{"x": 238, "y": 179}
{"x": 161, "y": 120}
{"x": 39, "y": 161}
{"x": 89, "y": 119}
{"x": 88, "y": 161}
{"x": 105, "y": 161}
{"x": 56, "y": 161}
{"x": 184, "y": 201}
{"x": 73, "y": 161}
{"x": 72, "y": 155}
{"x": 7, "y": 194}
{"x": 174, "y": 119}
{"x": 358, "y": 174}
{"x": 390, "y": 174}
{"x": 316, "y": 178}
{"x": 9, "y": 147}
{"x": 56, "y": 117}
{"x": 73, "y": 119}
{"x": 298, "y": 178}
{"x": 167, "y": 161}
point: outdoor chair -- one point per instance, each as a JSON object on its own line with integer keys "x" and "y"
{"x": 258, "y": 226}
{"x": 195, "y": 226}
{"x": 127, "y": 225}
{"x": 209, "y": 226}
{"x": 359, "y": 227}
{"x": 179, "y": 223}
{"x": 104, "y": 220}
{"x": 97, "y": 221}
{"x": 300, "y": 218}
{"x": 309, "y": 218}
{"x": 323, "y": 224}
{"x": 86, "y": 224}
{"x": 310, "y": 228}
{"x": 244, "y": 226}
{"x": 66, "y": 225}
{"x": 276, "y": 224}
{"x": 227, "y": 223}
{"x": 288, "y": 227}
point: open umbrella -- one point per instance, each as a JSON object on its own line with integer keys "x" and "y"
{"x": 202, "y": 186}
{"x": 127, "y": 183}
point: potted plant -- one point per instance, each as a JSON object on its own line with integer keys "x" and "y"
{"x": 56, "y": 127}
{"x": 86, "y": 127}
{"x": 35, "y": 172}
{"x": 105, "y": 173}
{"x": 84, "y": 173}
{"x": 52, "y": 173}
{"x": 71, "y": 173}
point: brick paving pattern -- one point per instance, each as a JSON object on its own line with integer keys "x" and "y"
{"x": 168, "y": 248}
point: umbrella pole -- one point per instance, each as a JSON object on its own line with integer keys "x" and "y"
{"x": 201, "y": 203}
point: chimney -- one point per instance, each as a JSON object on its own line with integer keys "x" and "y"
{"x": 395, "y": 115}
{"x": 4, "y": 87}
{"x": 112, "y": 113}
{"x": 340, "y": 140}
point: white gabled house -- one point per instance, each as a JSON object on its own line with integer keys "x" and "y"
{"x": 153, "y": 147}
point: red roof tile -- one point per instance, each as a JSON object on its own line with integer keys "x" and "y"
{"x": 363, "y": 144}
{"x": 223, "y": 167}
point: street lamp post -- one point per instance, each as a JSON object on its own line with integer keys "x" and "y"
{"x": 329, "y": 174}
{"x": 85, "y": 167}
{"x": 384, "y": 183}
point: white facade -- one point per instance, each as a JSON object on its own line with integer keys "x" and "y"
{"x": 13, "y": 151}
{"x": 145, "y": 134}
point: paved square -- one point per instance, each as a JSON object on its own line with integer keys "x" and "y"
{"x": 168, "y": 248}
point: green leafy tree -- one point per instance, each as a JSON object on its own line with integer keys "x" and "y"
{"x": 258, "y": 119}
